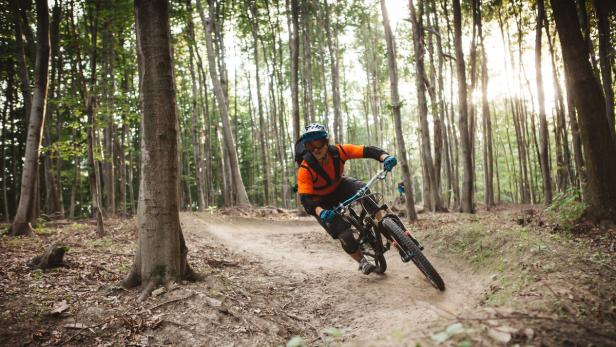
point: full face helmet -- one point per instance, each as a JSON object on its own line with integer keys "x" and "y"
{"x": 314, "y": 131}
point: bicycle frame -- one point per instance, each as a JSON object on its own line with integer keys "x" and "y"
{"x": 373, "y": 222}
{"x": 349, "y": 214}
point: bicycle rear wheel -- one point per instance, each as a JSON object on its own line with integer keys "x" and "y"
{"x": 370, "y": 250}
{"x": 418, "y": 258}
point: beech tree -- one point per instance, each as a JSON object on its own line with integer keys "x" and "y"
{"x": 161, "y": 251}
{"x": 597, "y": 141}
{"x": 395, "y": 107}
{"x": 466, "y": 201}
{"x": 26, "y": 213}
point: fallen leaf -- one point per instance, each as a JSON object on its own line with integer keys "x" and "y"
{"x": 59, "y": 307}
{"x": 499, "y": 336}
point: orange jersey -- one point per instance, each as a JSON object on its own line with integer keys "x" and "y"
{"x": 308, "y": 179}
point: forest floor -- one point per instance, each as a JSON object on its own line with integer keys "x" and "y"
{"x": 278, "y": 279}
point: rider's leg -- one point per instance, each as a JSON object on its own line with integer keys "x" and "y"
{"x": 339, "y": 229}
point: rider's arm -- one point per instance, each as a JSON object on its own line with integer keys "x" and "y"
{"x": 305, "y": 191}
{"x": 375, "y": 153}
{"x": 358, "y": 151}
{"x": 310, "y": 204}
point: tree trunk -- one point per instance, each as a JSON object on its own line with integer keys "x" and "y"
{"x": 21, "y": 61}
{"x": 395, "y": 106}
{"x": 25, "y": 210}
{"x": 333, "y": 61}
{"x": 466, "y": 202}
{"x": 605, "y": 61}
{"x": 575, "y": 134}
{"x": 488, "y": 156}
{"x": 307, "y": 62}
{"x": 239, "y": 188}
{"x": 544, "y": 154}
{"x": 109, "y": 132}
{"x": 53, "y": 197}
{"x": 161, "y": 252}
{"x": 93, "y": 167}
{"x": 196, "y": 127}
{"x": 262, "y": 133}
{"x": 294, "y": 52}
{"x": 564, "y": 171}
{"x": 599, "y": 145}
{"x": 432, "y": 200}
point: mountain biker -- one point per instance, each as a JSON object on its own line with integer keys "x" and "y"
{"x": 322, "y": 186}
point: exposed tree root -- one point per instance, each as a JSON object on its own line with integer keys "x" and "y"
{"x": 147, "y": 290}
{"x": 21, "y": 229}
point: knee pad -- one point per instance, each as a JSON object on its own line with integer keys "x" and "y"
{"x": 348, "y": 241}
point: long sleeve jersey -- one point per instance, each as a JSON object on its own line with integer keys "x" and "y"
{"x": 312, "y": 187}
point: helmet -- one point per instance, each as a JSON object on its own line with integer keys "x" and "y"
{"x": 313, "y": 132}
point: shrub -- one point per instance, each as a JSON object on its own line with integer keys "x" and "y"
{"x": 566, "y": 209}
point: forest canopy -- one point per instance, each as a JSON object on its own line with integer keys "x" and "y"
{"x": 496, "y": 103}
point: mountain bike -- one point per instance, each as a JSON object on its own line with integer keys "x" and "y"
{"x": 380, "y": 230}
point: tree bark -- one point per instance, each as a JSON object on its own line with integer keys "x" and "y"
{"x": 432, "y": 200}
{"x": 161, "y": 252}
{"x": 307, "y": 62}
{"x": 603, "y": 24}
{"x": 239, "y": 188}
{"x": 90, "y": 96}
{"x": 466, "y": 203}
{"x": 395, "y": 106}
{"x": 22, "y": 61}
{"x": 544, "y": 154}
{"x": 487, "y": 121}
{"x": 294, "y": 51}
{"x": 599, "y": 146}
{"x": 25, "y": 210}
{"x": 196, "y": 127}
{"x": 333, "y": 61}
{"x": 262, "y": 133}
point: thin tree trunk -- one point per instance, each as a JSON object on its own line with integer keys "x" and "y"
{"x": 544, "y": 154}
{"x": 565, "y": 174}
{"x": 432, "y": 200}
{"x": 487, "y": 121}
{"x": 93, "y": 168}
{"x": 241, "y": 196}
{"x": 466, "y": 202}
{"x": 307, "y": 62}
{"x": 21, "y": 61}
{"x": 25, "y": 210}
{"x": 395, "y": 106}
{"x": 605, "y": 50}
{"x": 333, "y": 62}
{"x": 196, "y": 127}
{"x": 294, "y": 52}
{"x": 262, "y": 133}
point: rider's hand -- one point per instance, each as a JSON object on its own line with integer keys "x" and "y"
{"x": 327, "y": 215}
{"x": 389, "y": 162}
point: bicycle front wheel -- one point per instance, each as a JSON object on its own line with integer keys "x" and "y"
{"x": 411, "y": 247}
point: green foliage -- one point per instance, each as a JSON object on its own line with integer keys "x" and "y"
{"x": 566, "y": 209}
{"x": 296, "y": 341}
{"x": 451, "y": 330}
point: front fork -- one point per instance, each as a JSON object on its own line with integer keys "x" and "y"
{"x": 377, "y": 219}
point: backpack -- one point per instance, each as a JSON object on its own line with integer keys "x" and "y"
{"x": 301, "y": 154}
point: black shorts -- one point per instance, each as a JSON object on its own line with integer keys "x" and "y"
{"x": 348, "y": 186}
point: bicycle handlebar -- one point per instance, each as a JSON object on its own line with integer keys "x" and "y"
{"x": 362, "y": 191}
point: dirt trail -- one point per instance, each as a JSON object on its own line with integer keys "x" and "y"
{"x": 335, "y": 293}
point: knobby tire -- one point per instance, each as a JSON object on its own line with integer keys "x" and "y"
{"x": 419, "y": 259}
